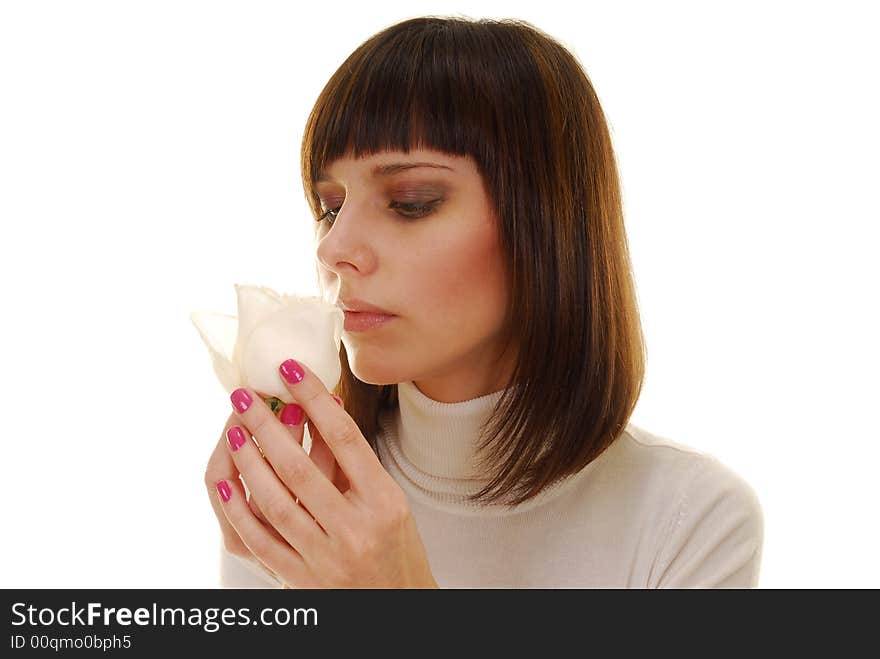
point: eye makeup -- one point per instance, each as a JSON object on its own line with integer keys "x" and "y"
{"x": 410, "y": 200}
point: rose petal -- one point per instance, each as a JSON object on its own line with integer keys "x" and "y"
{"x": 219, "y": 332}
{"x": 246, "y": 350}
{"x": 303, "y": 330}
{"x": 254, "y": 304}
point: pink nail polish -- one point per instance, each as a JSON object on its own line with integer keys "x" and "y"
{"x": 338, "y": 400}
{"x": 291, "y": 371}
{"x": 235, "y": 437}
{"x": 224, "y": 490}
{"x": 292, "y": 415}
{"x": 241, "y": 399}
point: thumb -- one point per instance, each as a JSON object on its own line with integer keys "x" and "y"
{"x": 323, "y": 457}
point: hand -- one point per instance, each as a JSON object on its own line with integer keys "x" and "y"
{"x": 316, "y": 535}
{"x": 221, "y": 463}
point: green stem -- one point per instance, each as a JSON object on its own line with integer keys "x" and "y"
{"x": 275, "y": 404}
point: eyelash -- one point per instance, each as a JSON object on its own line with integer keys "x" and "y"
{"x": 421, "y": 209}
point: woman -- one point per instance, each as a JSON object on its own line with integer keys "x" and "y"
{"x": 464, "y": 183}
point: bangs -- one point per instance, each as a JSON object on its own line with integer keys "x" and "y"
{"x": 405, "y": 89}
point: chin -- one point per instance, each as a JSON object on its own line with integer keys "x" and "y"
{"x": 372, "y": 368}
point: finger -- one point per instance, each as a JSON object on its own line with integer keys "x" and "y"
{"x": 274, "y": 498}
{"x": 350, "y": 448}
{"x": 299, "y": 476}
{"x": 294, "y": 418}
{"x": 252, "y": 503}
{"x": 220, "y": 466}
{"x": 273, "y": 552}
{"x": 255, "y": 508}
{"x": 323, "y": 457}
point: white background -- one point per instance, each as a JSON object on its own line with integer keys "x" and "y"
{"x": 149, "y": 160}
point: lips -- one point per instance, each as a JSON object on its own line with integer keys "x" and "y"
{"x": 361, "y": 321}
{"x": 359, "y": 306}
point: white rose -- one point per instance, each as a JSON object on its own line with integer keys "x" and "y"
{"x": 246, "y": 351}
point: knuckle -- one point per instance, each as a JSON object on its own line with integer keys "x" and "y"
{"x": 295, "y": 471}
{"x": 212, "y": 476}
{"x": 233, "y": 544}
{"x": 348, "y": 433}
{"x": 258, "y": 425}
{"x": 345, "y": 579}
{"x": 278, "y": 511}
{"x": 393, "y": 507}
{"x": 360, "y": 545}
{"x": 332, "y": 570}
{"x": 259, "y": 546}
{"x": 310, "y": 397}
{"x": 400, "y": 514}
{"x": 397, "y": 501}
{"x": 393, "y": 519}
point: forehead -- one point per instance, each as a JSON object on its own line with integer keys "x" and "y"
{"x": 388, "y": 163}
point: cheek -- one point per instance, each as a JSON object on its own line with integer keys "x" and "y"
{"x": 460, "y": 282}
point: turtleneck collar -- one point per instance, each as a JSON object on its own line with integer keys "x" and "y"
{"x": 434, "y": 446}
{"x": 440, "y": 438}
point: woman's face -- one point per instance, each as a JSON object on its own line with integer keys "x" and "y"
{"x": 422, "y": 244}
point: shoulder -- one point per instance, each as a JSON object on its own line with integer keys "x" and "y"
{"x": 712, "y": 515}
{"x": 673, "y": 465}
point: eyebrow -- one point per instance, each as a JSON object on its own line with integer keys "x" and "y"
{"x": 393, "y": 168}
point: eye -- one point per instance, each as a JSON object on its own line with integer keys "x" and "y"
{"x": 405, "y": 209}
{"x": 414, "y": 210}
{"x": 335, "y": 212}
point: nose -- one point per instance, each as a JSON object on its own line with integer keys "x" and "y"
{"x": 345, "y": 247}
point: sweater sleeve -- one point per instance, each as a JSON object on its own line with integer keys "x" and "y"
{"x": 716, "y": 538}
{"x": 237, "y": 572}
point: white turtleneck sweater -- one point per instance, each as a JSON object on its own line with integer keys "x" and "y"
{"x": 647, "y": 513}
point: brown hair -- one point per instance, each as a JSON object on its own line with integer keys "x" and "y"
{"x": 520, "y": 104}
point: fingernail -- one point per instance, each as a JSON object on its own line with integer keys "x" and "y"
{"x": 338, "y": 400}
{"x": 292, "y": 414}
{"x": 224, "y": 490}
{"x": 292, "y": 371}
{"x": 235, "y": 437}
{"x": 241, "y": 399}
